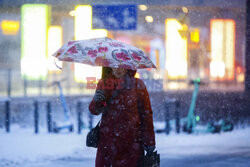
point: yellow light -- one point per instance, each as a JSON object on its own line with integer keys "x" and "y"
{"x": 223, "y": 47}
{"x": 176, "y": 50}
{"x": 149, "y": 19}
{"x": 230, "y": 48}
{"x": 83, "y": 24}
{"x": 195, "y": 35}
{"x": 54, "y": 43}
{"x": 72, "y": 13}
{"x": 240, "y": 77}
{"x": 34, "y": 26}
{"x": 137, "y": 75}
{"x": 10, "y": 27}
{"x": 83, "y": 30}
{"x": 157, "y": 57}
{"x": 184, "y": 31}
{"x": 184, "y": 9}
{"x": 143, "y": 7}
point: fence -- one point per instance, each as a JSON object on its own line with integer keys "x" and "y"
{"x": 48, "y": 107}
{"x": 36, "y": 104}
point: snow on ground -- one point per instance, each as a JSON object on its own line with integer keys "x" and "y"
{"x": 22, "y": 146}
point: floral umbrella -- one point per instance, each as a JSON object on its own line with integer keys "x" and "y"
{"x": 104, "y": 52}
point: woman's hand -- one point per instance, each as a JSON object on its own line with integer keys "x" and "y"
{"x": 99, "y": 95}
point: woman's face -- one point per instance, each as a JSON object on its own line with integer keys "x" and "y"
{"x": 119, "y": 72}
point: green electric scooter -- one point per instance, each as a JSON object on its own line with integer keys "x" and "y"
{"x": 190, "y": 123}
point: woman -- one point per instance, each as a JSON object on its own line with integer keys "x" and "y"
{"x": 126, "y": 127}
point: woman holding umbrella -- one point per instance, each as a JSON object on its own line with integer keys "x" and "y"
{"x": 126, "y": 128}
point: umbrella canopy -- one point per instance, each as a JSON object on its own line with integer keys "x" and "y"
{"x": 104, "y": 52}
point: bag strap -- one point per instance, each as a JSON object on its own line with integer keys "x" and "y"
{"x": 114, "y": 94}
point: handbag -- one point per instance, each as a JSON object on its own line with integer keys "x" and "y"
{"x": 152, "y": 160}
{"x": 93, "y": 136}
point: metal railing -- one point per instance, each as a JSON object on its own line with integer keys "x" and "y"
{"x": 81, "y": 107}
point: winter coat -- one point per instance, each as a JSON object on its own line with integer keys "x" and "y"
{"x": 122, "y": 134}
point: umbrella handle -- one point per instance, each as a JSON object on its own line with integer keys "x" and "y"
{"x": 57, "y": 65}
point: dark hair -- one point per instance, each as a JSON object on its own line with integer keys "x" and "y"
{"x": 131, "y": 73}
{"x": 107, "y": 73}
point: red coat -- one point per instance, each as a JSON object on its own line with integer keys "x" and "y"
{"x": 121, "y": 135}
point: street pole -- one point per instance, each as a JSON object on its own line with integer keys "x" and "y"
{"x": 167, "y": 125}
{"x": 49, "y": 117}
{"x": 9, "y": 83}
{"x": 24, "y": 86}
{"x": 247, "y": 57}
{"x": 36, "y": 117}
{"x": 40, "y": 84}
{"x": 79, "y": 117}
{"x": 7, "y": 116}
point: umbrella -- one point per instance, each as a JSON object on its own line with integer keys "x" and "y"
{"x": 104, "y": 52}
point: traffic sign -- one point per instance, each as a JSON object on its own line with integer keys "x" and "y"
{"x": 114, "y": 17}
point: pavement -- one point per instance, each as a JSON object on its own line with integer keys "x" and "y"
{"x": 239, "y": 159}
{"x": 231, "y": 157}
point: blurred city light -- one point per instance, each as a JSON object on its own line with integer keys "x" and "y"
{"x": 149, "y": 19}
{"x": 195, "y": 35}
{"x": 34, "y": 26}
{"x": 10, "y": 27}
{"x": 72, "y": 13}
{"x": 197, "y": 40}
{"x": 184, "y": 9}
{"x": 217, "y": 69}
{"x": 137, "y": 75}
{"x": 83, "y": 22}
{"x": 157, "y": 53}
{"x": 176, "y": 50}
{"x": 83, "y": 30}
{"x": 222, "y": 48}
{"x": 54, "y": 43}
{"x": 143, "y": 7}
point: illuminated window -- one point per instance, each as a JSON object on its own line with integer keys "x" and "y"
{"x": 83, "y": 30}
{"x": 195, "y": 35}
{"x": 10, "y": 27}
{"x": 222, "y": 49}
{"x": 34, "y": 26}
{"x": 176, "y": 50}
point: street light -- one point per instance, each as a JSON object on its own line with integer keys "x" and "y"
{"x": 143, "y": 7}
{"x": 149, "y": 19}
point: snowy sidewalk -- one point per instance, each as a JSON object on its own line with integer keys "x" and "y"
{"x": 22, "y": 148}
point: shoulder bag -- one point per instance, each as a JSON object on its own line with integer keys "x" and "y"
{"x": 93, "y": 136}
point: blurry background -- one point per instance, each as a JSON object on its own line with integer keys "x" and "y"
{"x": 186, "y": 39}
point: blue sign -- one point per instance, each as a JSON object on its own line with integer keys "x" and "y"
{"x": 114, "y": 17}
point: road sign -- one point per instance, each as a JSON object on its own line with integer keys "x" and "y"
{"x": 114, "y": 17}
